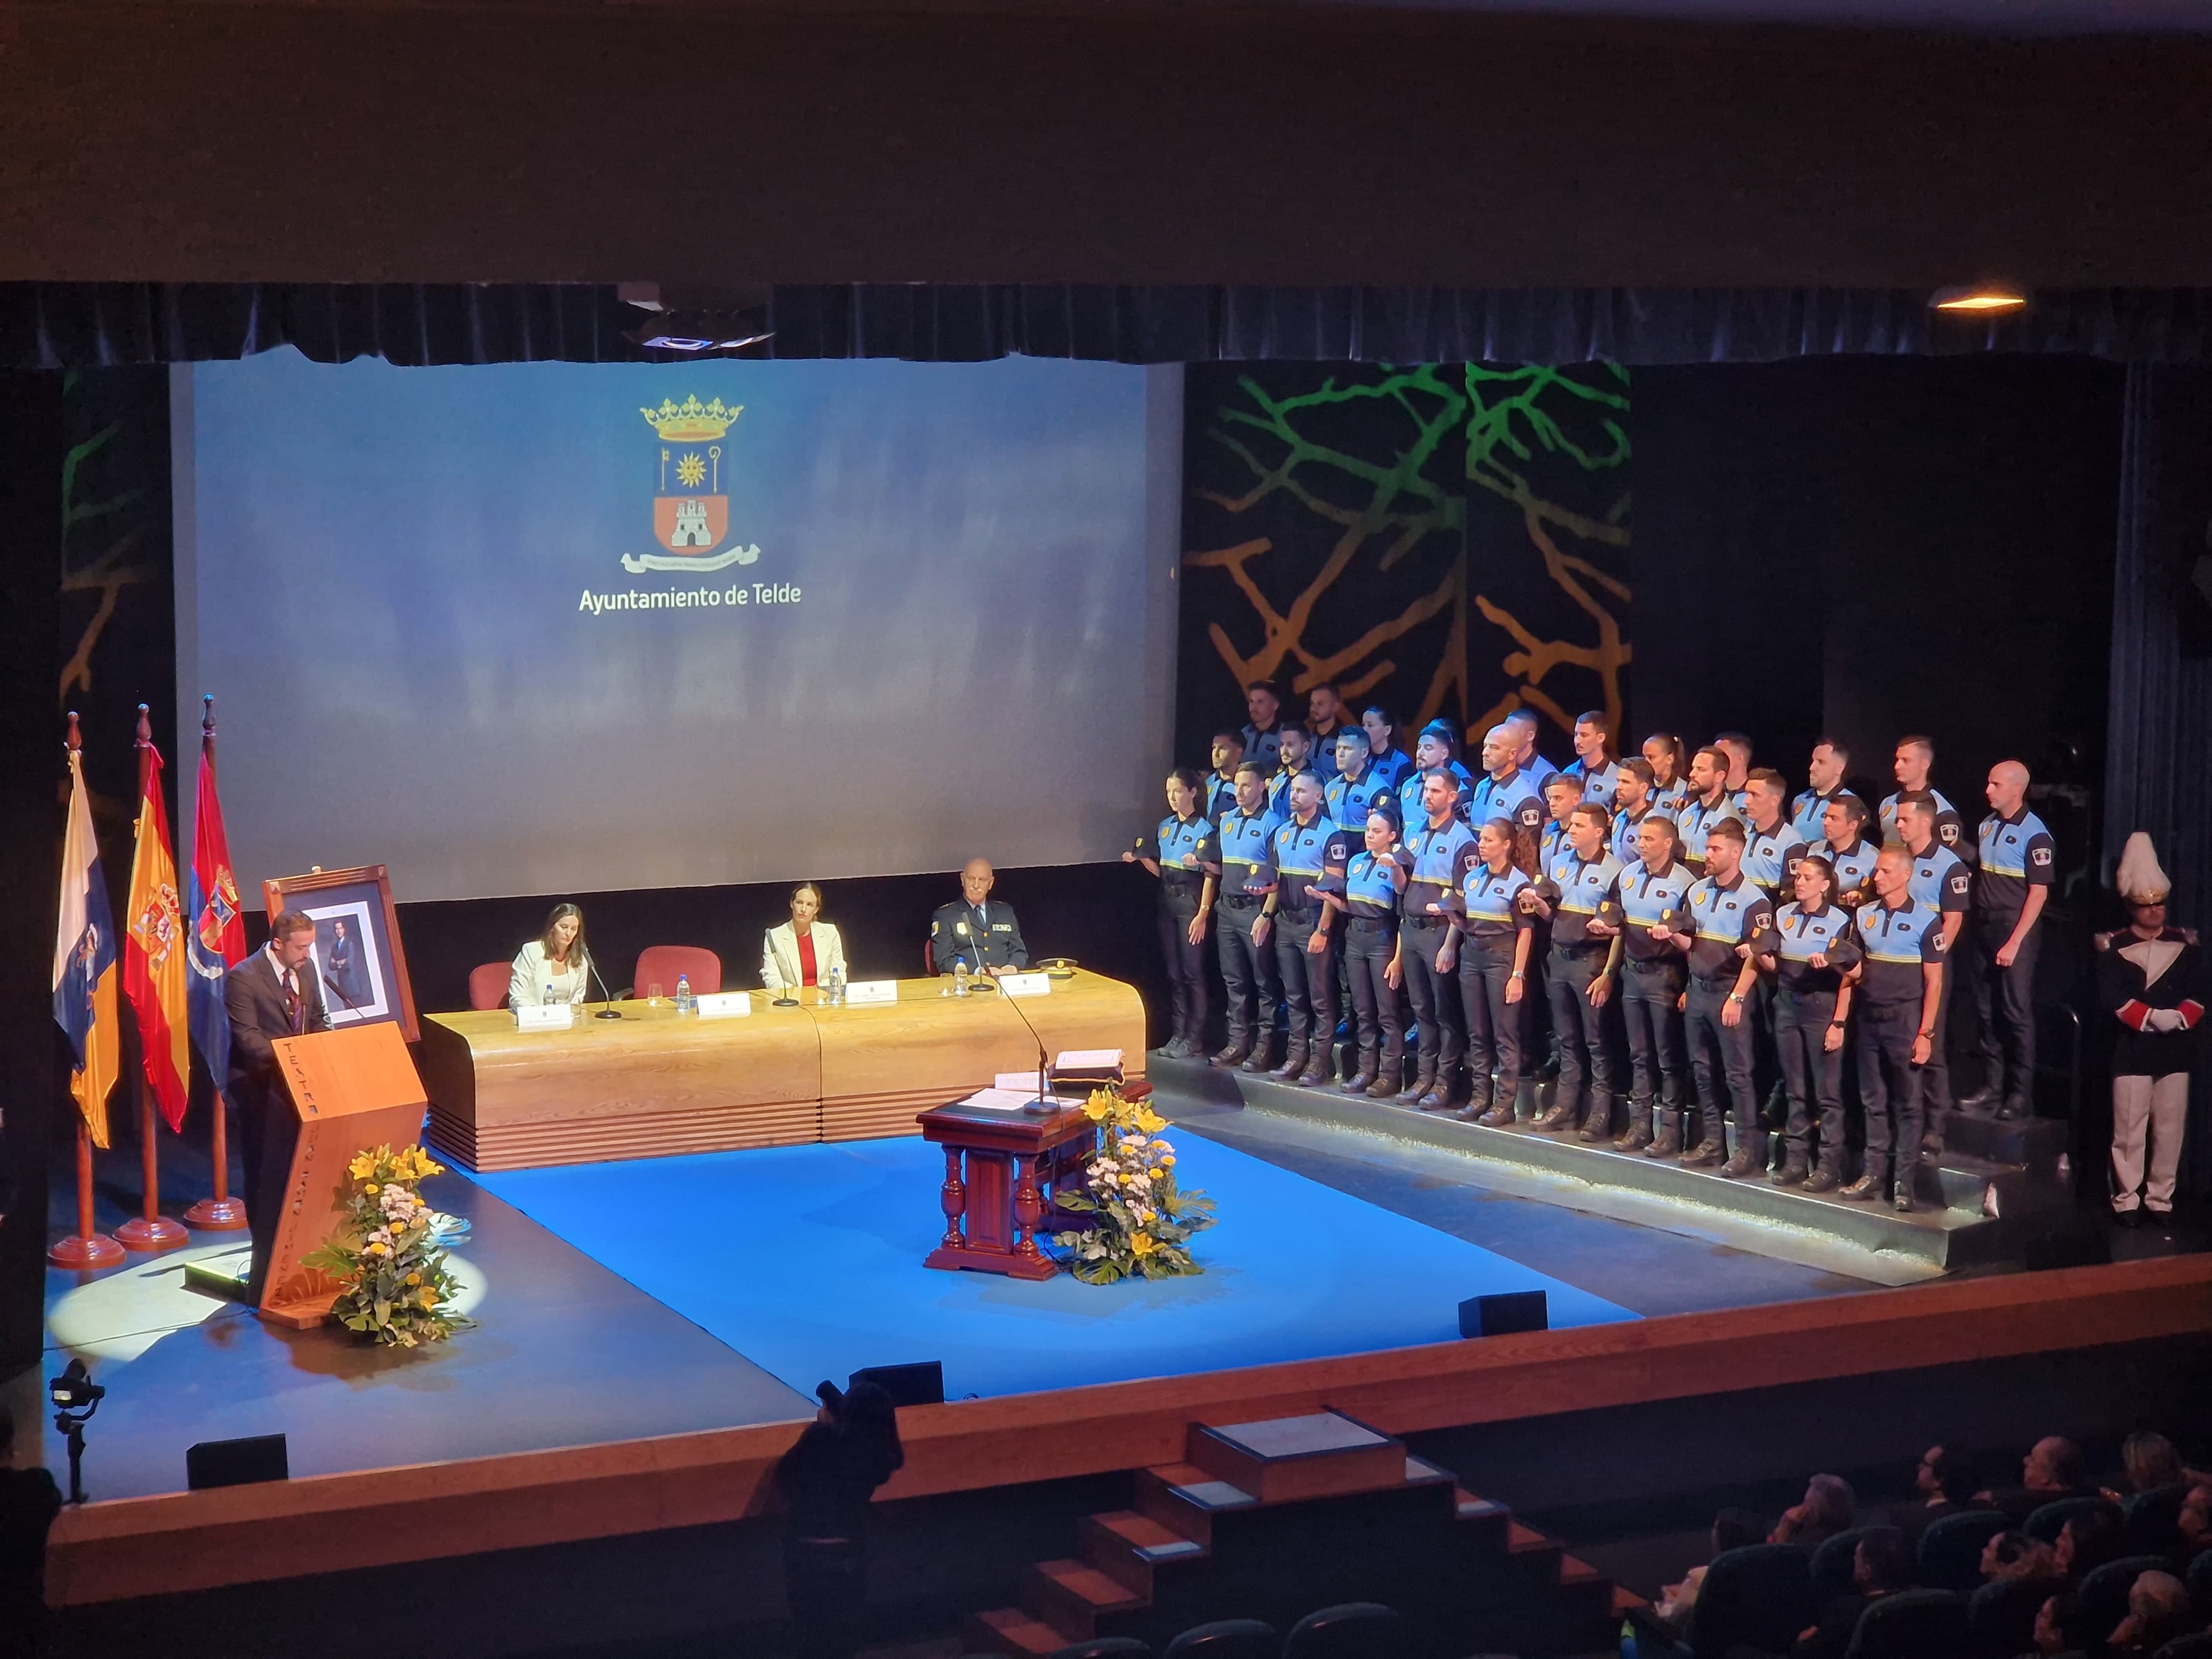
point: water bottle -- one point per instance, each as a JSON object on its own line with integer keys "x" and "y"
{"x": 959, "y": 976}
{"x": 837, "y": 987}
{"x": 683, "y": 1003}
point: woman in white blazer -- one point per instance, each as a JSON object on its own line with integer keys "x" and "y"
{"x": 552, "y": 967}
{"x": 803, "y": 950}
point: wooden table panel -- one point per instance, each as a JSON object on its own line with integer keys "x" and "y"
{"x": 652, "y": 1084}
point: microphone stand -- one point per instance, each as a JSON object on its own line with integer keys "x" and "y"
{"x": 1045, "y": 1102}
{"x": 609, "y": 1012}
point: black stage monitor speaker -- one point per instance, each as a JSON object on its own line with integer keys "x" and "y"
{"x": 236, "y": 1462}
{"x": 908, "y": 1385}
{"x": 1505, "y": 1315}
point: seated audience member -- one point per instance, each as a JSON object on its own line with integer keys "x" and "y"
{"x": 1943, "y": 1485}
{"x": 2087, "y": 1542}
{"x": 1878, "y": 1568}
{"x": 555, "y": 966}
{"x": 2195, "y": 1521}
{"x": 29, "y": 1500}
{"x": 2051, "y": 1470}
{"x": 976, "y": 928}
{"x": 2148, "y": 1463}
{"x": 1732, "y": 1530}
{"x": 2058, "y": 1625}
{"x": 805, "y": 950}
{"x": 2158, "y": 1611}
{"x": 2011, "y": 1555}
{"x": 1824, "y": 1511}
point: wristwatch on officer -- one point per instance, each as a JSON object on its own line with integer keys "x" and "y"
{"x": 1735, "y": 996}
{"x": 1835, "y": 1024}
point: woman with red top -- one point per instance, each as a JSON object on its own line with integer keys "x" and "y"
{"x": 805, "y": 950}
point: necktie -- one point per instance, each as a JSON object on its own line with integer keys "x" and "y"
{"x": 294, "y": 1011}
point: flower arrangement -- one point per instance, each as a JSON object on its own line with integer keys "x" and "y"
{"x": 1144, "y": 1220}
{"x": 390, "y": 1256}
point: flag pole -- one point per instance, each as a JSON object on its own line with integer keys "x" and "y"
{"x": 218, "y": 1212}
{"x": 84, "y": 1250}
{"x": 150, "y": 1230}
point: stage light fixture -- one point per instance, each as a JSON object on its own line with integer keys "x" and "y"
{"x": 1978, "y": 299}
{"x": 697, "y": 319}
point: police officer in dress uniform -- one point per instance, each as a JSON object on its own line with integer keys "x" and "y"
{"x": 1436, "y": 852}
{"x": 1367, "y": 895}
{"x": 1181, "y": 851}
{"x": 1437, "y": 747}
{"x": 2016, "y": 856}
{"x": 1326, "y": 716}
{"x": 2151, "y": 978}
{"x": 1710, "y": 802}
{"x": 1489, "y": 943}
{"x": 1562, "y": 793}
{"x": 1733, "y": 942}
{"x": 1227, "y": 754}
{"x": 1381, "y": 727}
{"x": 1524, "y": 725}
{"x": 1263, "y": 731}
{"x": 1735, "y": 747}
{"x": 1293, "y": 757}
{"x": 1772, "y": 850}
{"x": 1824, "y": 772}
{"x": 1941, "y": 882}
{"x": 1816, "y": 947}
{"x": 1849, "y": 853}
{"x": 1900, "y": 989}
{"x": 1631, "y": 803}
{"x": 1248, "y": 968}
{"x": 977, "y": 928}
{"x": 1914, "y": 760}
{"x": 1579, "y": 976}
{"x": 1303, "y": 849}
{"x": 1595, "y": 762}
{"x": 1506, "y": 791}
{"x": 1649, "y": 907}
{"x": 1359, "y": 783}
{"x": 1669, "y": 763}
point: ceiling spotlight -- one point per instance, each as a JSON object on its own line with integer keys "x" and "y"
{"x": 697, "y": 318}
{"x": 1980, "y": 297}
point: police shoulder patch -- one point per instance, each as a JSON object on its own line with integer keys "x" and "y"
{"x": 2040, "y": 856}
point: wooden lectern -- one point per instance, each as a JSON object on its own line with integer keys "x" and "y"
{"x": 1013, "y": 1162}
{"x": 355, "y": 1089}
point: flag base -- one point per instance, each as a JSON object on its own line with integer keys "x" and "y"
{"x": 217, "y": 1215}
{"x": 85, "y": 1252}
{"x": 148, "y": 1234}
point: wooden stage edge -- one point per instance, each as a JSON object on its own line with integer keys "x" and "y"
{"x": 186, "y": 1541}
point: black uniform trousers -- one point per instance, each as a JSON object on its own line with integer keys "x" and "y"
{"x": 1935, "y": 1094}
{"x": 2008, "y": 994}
{"x": 1814, "y": 1076}
{"x": 1720, "y": 1059}
{"x": 1308, "y": 980}
{"x": 1585, "y": 1057}
{"x": 1379, "y": 1010}
{"x": 1889, "y": 1088}
{"x": 1494, "y": 1026}
{"x": 1647, "y": 993}
{"x": 1186, "y": 966}
{"x": 1442, "y": 1026}
{"x": 1248, "y": 973}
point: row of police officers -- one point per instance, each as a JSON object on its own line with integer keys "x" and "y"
{"x": 1679, "y": 910}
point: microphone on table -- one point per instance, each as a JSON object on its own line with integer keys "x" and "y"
{"x": 609, "y": 1012}
{"x": 1044, "y": 1102}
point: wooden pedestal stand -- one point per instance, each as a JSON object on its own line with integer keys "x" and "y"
{"x": 218, "y": 1212}
{"x": 999, "y": 1168}
{"x": 85, "y": 1250}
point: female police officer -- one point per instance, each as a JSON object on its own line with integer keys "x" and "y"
{"x": 1178, "y": 851}
{"x": 1812, "y": 1003}
{"x": 1494, "y": 966}
{"x": 1372, "y": 881}
{"x": 1646, "y": 906}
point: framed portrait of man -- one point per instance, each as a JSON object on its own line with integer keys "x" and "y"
{"x": 357, "y": 953}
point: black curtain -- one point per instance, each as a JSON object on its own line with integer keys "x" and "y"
{"x": 82, "y": 324}
{"x": 2158, "y": 773}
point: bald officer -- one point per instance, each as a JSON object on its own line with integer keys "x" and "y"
{"x": 2016, "y": 858}
{"x": 977, "y": 928}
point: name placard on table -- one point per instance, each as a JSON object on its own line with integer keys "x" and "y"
{"x": 725, "y": 1005}
{"x": 871, "y": 990}
{"x": 546, "y": 1016}
{"x": 1025, "y": 985}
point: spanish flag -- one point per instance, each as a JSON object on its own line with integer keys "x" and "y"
{"x": 84, "y": 964}
{"x": 154, "y": 973}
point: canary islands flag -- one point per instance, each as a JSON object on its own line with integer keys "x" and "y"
{"x": 84, "y": 963}
{"x": 153, "y": 969}
{"x": 218, "y": 941}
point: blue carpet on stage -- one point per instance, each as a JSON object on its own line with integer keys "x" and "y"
{"x": 807, "y": 1259}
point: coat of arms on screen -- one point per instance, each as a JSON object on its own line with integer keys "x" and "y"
{"x": 690, "y": 508}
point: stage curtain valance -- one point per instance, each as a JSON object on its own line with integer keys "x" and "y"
{"x": 84, "y": 324}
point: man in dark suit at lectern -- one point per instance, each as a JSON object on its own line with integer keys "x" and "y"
{"x": 273, "y": 994}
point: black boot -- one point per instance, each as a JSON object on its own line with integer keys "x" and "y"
{"x": 1260, "y": 1060}
{"x": 1794, "y": 1168}
{"x": 1667, "y": 1143}
{"x": 1425, "y": 1078}
{"x": 1364, "y": 1072}
{"x": 1869, "y": 1185}
{"x": 1233, "y": 1053}
{"x": 1559, "y": 1115}
{"x": 1320, "y": 1067}
{"x": 1597, "y": 1123}
{"x": 1294, "y": 1060}
{"x": 1638, "y": 1135}
{"x": 1830, "y": 1174}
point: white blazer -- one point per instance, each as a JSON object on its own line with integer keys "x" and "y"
{"x": 531, "y": 980}
{"x": 779, "y": 956}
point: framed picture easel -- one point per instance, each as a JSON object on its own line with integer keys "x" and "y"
{"x": 357, "y": 953}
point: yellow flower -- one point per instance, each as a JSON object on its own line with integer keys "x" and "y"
{"x": 1169, "y": 1160}
{"x": 414, "y": 1279}
{"x": 1153, "y": 1174}
{"x": 376, "y": 1249}
{"x": 1096, "y": 1108}
{"x": 1150, "y": 1122}
{"x": 1142, "y": 1244}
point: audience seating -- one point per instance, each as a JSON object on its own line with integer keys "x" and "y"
{"x": 663, "y": 964}
{"x": 1227, "y": 1638}
{"x": 2001, "y": 1617}
{"x": 1105, "y": 1647}
{"x": 1834, "y": 1560}
{"x": 2151, "y": 1519}
{"x": 2187, "y": 1647}
{"x": 1351, "y": 1630}
{"x": 2200, "y": 1577}
{"x": 1758, "y": 1596}
{"x": 488, "y": 983}
{"x": 1916, "y": 1624}
{"x": 2104, "y": 1589}
{"x": 1951, "y": 1549}
{"x": 2046, "y": 1523}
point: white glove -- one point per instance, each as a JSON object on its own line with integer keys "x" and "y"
{"x": 2164, "y": 1019}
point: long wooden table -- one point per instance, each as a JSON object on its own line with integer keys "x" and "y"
{"x": 650, "y": 1084}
